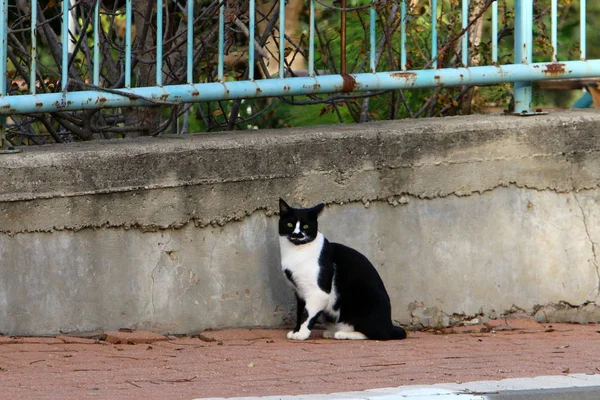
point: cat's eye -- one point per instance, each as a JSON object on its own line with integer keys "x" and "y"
{"x": 290, "y": 225}
{"x": 305, "y": 227}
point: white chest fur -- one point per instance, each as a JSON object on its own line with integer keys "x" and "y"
{"x": 303, "y": 262}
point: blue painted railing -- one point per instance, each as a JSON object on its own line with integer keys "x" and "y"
{"x": 522, "y": 72}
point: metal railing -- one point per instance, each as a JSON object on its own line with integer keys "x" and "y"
{"x": 522, "y": 72}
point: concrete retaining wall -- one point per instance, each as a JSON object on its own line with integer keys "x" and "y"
{"x": 464, "y": 217}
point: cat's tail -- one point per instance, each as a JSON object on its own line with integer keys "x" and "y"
{"x": 398, "y": 333}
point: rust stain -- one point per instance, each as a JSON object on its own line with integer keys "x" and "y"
{"x": 314, "y": 87}
{"x": 39, "y": 105}
{"x": 195, "y": 93}
{"x": 554, "y": 69}
{"x": 406, "y": 75}
{"x": 286, "y": 88}
{"x": 349, "y": 84}
{"x": 258, "y": 90}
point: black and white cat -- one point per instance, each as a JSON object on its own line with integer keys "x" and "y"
{"x": 333, "y": 280}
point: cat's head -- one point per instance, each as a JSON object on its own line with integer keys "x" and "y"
{"x": 299, "y": 225}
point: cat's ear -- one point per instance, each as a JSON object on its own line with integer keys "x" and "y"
{"x": 283, "y": 207}
{"x": 316, "y": 210}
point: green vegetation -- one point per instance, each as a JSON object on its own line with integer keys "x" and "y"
{"x": 277, "y": 112}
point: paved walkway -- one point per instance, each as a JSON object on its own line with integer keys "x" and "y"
{"x": 260, "y": 362}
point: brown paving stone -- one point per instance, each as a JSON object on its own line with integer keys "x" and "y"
{"x": 8, "y": 340}
{"x": 74, "y": 339}
{"x": 39, "y": 340}
{"x": 133, "y": 337}
{"x": 255, "y": 362}
{"x": 516, "y": 322}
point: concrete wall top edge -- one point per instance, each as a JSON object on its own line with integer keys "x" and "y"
{"x": 223, "y": 177}
{"x": 238, "y": 139}
{"x": 114, "y": 166}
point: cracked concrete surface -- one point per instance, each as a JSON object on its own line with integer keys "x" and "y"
{"x": 91, "y": 185}
{"x": 177, "y": 235}
{"x": 592, "y": 242}
{"x": 585, "y": 313}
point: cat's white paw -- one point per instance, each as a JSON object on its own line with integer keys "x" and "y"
{"x": 354, "y": 335}
{"x": 328, "y": 334}
{"x": 300, "y": 335}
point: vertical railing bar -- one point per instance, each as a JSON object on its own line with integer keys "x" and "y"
{"x": 465, "y": 38}
{"x": 434, "y": 33}
{"x": 373, "y": 35}
{"x": 3, "y": 48}
{"x": 96, "y": 70}
{"x": 521, "y": 37}
{"x": 311, "y": 40}
{"x": 251, "y": 23}
{"x": 554, "y": 28}
{"x": 128, "y": 43}
{"x": 582, "y": 29}
{"x": 221, "y": 61}
{"x": 33, "y": 72}
{"x": 65, "y": 45}
{"x": 403, "y": 35}
{"x": 3, "y": 66}
{"x": 159, "y": 41}
{"x": 529, "y": 30}
{"x": 190, "y": 41}
{"x": 281, "y": 38}
{"x": 523, "y": 53}
{"x": 495, "y": 31}
{"x": 343, "y": 38}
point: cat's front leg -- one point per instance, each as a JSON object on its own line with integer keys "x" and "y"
{"x": 307, "y": 317}
{"x": 301, "y": 316}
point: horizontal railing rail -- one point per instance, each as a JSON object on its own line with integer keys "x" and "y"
{"x": 138, "y": 69}
{"x": 246, "y": 89}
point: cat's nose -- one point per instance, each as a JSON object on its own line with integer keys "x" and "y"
{"x": 297, "y": 235}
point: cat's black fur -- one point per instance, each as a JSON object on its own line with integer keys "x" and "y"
{"x": 332, "y": 279}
